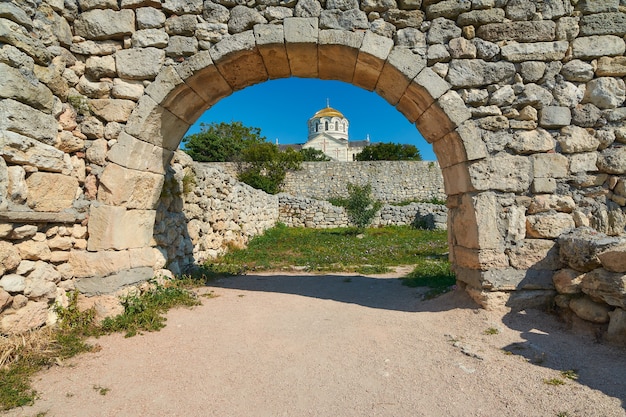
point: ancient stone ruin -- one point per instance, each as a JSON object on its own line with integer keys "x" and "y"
{"x": 521, "y": 99}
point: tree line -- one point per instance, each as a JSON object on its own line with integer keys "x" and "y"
{"x": 262, "y": 164}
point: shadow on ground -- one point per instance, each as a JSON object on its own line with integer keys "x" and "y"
{"x": 372, "y": 292}
{"x": 548, "y": 342}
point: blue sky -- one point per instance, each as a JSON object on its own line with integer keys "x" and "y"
{"x": 281, "y": 109}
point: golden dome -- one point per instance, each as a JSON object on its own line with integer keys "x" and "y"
{"x": 328, "y": 112}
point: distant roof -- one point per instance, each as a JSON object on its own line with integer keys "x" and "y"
{"x": 328, "y": 112}
{"x": 360, "y": 143}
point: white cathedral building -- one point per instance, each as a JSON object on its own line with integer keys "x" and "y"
{"x": 328, "y": 132}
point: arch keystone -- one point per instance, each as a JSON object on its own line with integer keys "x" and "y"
{"x": 301, "y": 37}
{"x": 270, "y": 40}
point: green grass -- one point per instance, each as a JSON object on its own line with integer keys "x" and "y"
{"x": 22, "y": 356}
{"x": 335, "y": 250}
{"x": 432, "y": 272}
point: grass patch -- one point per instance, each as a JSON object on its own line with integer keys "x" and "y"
{"x": 432, "y": 272}
{"x": 491, "y": 331}
{"x": 554, "y": 381}
{"x": 336, "y": 250}
{"x": 570, "y": 374}
{"x": 21, "y": 356}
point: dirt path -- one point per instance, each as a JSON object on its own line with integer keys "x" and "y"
{"x": 338, "y": 346}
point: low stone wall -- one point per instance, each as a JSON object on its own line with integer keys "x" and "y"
{"x": 391, "y": 181}
{"x": 296, "y": 211}
{"x": 592, "y": 282}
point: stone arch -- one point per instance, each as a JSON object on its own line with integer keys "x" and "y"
{"x": 523, "y": 106}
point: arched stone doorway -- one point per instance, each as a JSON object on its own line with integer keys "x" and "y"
{"x": 508, "y": 99}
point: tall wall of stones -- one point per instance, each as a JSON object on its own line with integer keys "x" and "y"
{"x": 391, "y": 181}
{"x": 523, "y": 101}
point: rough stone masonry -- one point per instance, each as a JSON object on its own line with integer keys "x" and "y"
{"x": 522, "y": 100}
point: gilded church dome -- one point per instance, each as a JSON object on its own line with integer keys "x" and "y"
{"x": 328, "y": 112}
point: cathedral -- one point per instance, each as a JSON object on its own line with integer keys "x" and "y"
{"x": 328, "y": 132}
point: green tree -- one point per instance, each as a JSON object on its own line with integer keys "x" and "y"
{"x": 389, "y": 152}
{"x": 312, "y": 154}
{"x": 221, "y": 142}
{"x": 264, "y": 166}
{"x": 360, "y": 206}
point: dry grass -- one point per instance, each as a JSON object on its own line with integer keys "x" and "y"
{"x": 16, "y": 347}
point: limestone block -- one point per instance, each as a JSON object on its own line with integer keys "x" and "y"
{"x": 202, "y": 76}
{"x": 554, "y": 117}
{"x": 5, "y": 299}
{"x": 616, "y": 333}
{"x": 434, "y": 124}
{"x": 33, "y": 250}
{"x": 567, "y": 281}
{"x": 502, "y": 172}
{"x": 149, "y": 18}
{"x": 591, "y": 47}
{"x": 577, "y": 71}
{"x": 567, "y": 95}
{"x": 105, "y": 24}
{"x": 139, "y": 64}
{"x": 239, "y": 61}
{"x": 508, "y": 279}
{"x": 94, "y": 89}
{"x": 23, "y": 232}
{"x": 543, "y": 203}
{"x": 127, "y": 89}
{"x": 603, "y": 24}
{"x": 118, "y": 228}
{"x": 469, "y": 73}
{"x": 535, "y": 254}
{"x": 9, "y": 257}
{"x": 437, "y": 53}
{"x": 448, "y": 8}
{"x": 136, "y": 154}
{"x": 40, "y": 289}
{"x": 411, "y": 38}
{"x": 301, "y": 35}
{"x": 456, "y": 179}
{"x": 583, "y": 162}
{"x": 13, "y": 34}
{"x": 97, "y": 67}
{"x": 69, "y": 143}
{"x": 612, "y": 160}
{"x": 180, "y": 7}
{"x": 98, "y": 4}
{"x": 13, "y": 283}
{"x": 23, "y": 150}
{"x": 587, "y": 309}
{"x": 184, "y": 25}
{"x": 112, "y": 283}
{"x": 103, "y": 305}
{"x": 16, "y": 14}
{"x": 480, "y": 17}
{"x": 156, "y": 125}
{"x": 543, "y": 185}
{"x": 605, "y": 92}
{"x": 112, "y": 110}
{"x": 548, "y": 225}
{"x": 97, "y": 264}
{"x": 30, "y": 317}
{"x": 16, "y": 86}
{"x": 22, "y": 119}
{"x": 441, "y": 30}
{"x": 521, "y": 31}
{"x": 181, "y": 46}
{"x": 399, "y": 70}
{"x": 580, "y": 248}
{"x": 454, "y": 107}
{"x": 550, "y": 165}
{"x": 463, "y": 145}
{"x": 607, "y": 286}
{"x": 574, "y": 139}
{"x": 539, "y": 51}
{"x": 611, "y": 67}
{"x": 17, "y": 190}
{"x": 349, "y": 20}
{"x": 142, "y": 257}
{"x": 475, "y": 222}
{"x": 614, "y": 259}
{"x": 129, "y": 188}
{"x": 533, "y": 141}
{"x": 243, "y": 18}
{"x": 420, "y": 94}
{"x": 481, "y": 259}
{"x": 172, "y": 93}
{"x": 60, "y": 243}
{"x": 50, "y": 192}
{"x": 338, "y": 51}
{"x": 270, "y": 40}
{"x": 371, "y": 59}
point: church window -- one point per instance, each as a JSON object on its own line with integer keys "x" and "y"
{"x": 336, "y": 125}
{"x": 325, "y": 125}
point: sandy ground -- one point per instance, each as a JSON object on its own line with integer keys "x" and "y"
{"x": 338, "y": 346}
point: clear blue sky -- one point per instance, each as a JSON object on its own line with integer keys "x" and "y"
{"x": 281, "y": 109}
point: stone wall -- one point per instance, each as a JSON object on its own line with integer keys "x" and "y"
{"x": 391, "y": 181}
{"x": 298, "y": 211}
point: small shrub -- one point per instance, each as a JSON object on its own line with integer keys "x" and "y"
{"x": 360, "y": 206}
{"x": 570, "y": 374}
{"x": 553, "y": 381}
{"x": 189, "y": 182}
{"x": 491, "y": 331}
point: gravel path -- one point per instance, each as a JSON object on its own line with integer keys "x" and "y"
{"x": 338, "y": 346}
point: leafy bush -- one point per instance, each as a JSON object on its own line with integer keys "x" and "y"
{"x": 221, "y": 142}
{"x": 264, "y": 166}
{"x": 360, "y": 206}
